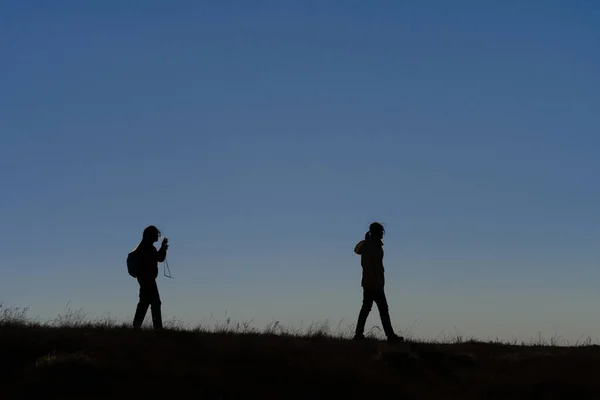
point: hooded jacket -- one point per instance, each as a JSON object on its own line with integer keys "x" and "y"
{"x": 371, "y": 260}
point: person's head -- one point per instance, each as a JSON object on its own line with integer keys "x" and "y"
{"x": 376, "y": 231}
{"x": 151, "y": 234}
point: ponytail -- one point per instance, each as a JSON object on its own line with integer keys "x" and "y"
{"x": 368, "y": 235}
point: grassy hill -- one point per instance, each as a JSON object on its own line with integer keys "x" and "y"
{"x": 106, "y": 361}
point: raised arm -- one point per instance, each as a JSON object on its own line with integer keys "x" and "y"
{"x": 358, "y": 249}
{"x": 161, "y": 254}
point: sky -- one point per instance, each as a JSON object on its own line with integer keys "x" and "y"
{"x": 263, "y": 137}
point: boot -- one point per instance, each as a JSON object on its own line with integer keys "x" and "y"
{"x": 387, "y": 328}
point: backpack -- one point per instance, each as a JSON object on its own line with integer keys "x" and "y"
{"x": 133, "y": 264}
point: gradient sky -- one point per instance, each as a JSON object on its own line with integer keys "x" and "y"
{"x": 263, "y": 137}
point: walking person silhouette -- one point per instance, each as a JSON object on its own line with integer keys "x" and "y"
{"x": 373, "y": 282}
{"x": 146, "y": 259}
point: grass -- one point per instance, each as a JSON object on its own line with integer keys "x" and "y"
{"x": 72, "y": 357}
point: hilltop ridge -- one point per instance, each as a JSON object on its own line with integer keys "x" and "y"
{"x": 98, "y": 362}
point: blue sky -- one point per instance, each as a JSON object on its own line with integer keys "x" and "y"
{"x": 263, "y": 137}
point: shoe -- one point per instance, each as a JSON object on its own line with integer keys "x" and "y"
{"x": 359, "y": 337}
{"x": 395, "y": 338}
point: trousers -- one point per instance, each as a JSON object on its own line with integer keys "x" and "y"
{"x": 149, "y": 297}
{"x": 376, "y": 296}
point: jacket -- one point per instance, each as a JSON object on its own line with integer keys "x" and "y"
{"x": 371, "y": 260}
{"x": 149, "y": 259}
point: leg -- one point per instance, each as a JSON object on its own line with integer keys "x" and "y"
{"x": 157, "y": 316}
{"x": 367, "y": 303}
{"x": 146, "y": 298}
{"x": 140, "y": 314}
{"x": 142, "y": 307}
{"x": 156, "y": 307}
{"x": 382, "y": 305}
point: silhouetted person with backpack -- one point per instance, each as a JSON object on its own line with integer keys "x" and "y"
{"x": 142, "y": 264}
{"x": 373, "y": 282}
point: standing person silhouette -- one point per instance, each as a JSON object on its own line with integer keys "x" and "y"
{"x": 147, "y": 273}
{"x": 373, "y": 281}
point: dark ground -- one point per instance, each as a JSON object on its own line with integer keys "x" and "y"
{"x": 109, "y": 363}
